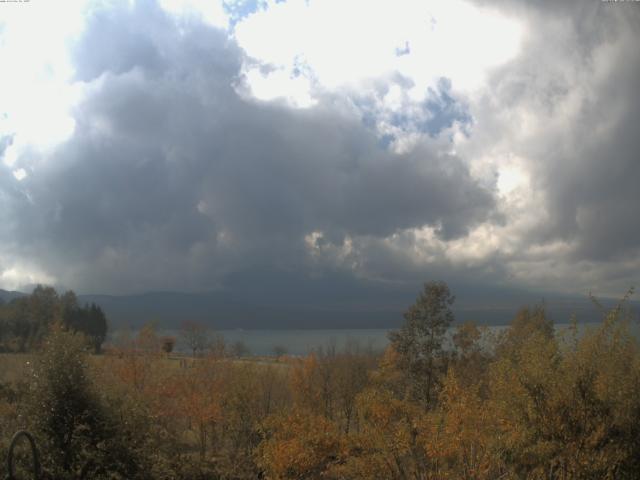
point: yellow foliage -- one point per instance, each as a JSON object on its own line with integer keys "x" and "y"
{"x": 299, "y": 445}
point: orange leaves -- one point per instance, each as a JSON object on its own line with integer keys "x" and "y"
{"x": 305, "y": 383}
{"x": 388, "y": 436}
{"x": 199, "y": 393}
{"x": 299, "y": 445}
{"x": 461, "y": 434}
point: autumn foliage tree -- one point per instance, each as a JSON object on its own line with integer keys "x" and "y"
{"x": 298, "y": 446}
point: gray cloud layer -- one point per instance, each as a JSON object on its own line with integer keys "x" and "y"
{"x": 172, "y": 180}
{"x": 570, "y": 105}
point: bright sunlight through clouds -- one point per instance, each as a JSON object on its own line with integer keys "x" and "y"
{"x": 333, "y": 44}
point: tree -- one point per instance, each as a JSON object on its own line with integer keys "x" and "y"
{"x": 279, "y": 350}
{"x": 351, "y": 377}
{"x": 470, "y": 358}
{"x": 239, "y": 349}
{"x": 460, "y": 437}
{"x": 147, "y": 340}
{"x": 466, "y": 338}
{"x": 77, "y": 432}
{"x": 419, "y": 340}
{"x": 89, "y": 319}
{"x": 65, "y": 410}
{"x": 44, "y": 306}
{"x": 200, "y": 395}
{"x": 30, "y": 317}
{"x": 195, "y": 336}
{"x": 96, "y": 327}
{"x": 217, "y": 346}
{"x": 167, "y": 344}
{"x": 299, "y": 445}
{"x": 527, "y": 323}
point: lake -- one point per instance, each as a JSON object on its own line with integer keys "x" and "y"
{"x": 301, "y": 342}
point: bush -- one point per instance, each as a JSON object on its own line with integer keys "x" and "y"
{"x": 73, "y": 426}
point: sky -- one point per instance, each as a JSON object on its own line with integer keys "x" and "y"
{"x": 351, "y": 146}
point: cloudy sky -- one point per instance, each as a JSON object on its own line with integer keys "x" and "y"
{"x": 163, "y": 145}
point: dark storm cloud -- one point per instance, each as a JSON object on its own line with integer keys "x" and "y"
{"x": 597, "y": 193}
{"x": 582, "y": 58}
{"x": 172, "y": 180}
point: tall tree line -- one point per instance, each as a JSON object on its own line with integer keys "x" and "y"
{"x": 25, "y": 321}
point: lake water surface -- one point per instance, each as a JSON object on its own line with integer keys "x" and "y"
{"x": 301, "y": 342}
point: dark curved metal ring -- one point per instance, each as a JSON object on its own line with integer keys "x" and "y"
{"x": 34, "y": 454}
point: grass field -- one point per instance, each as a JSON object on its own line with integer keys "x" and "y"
{"x": 14, "y": 366}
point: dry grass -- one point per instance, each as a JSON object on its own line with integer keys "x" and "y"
{"x": 14, "y": 366}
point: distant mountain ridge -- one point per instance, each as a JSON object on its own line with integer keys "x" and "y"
{"x": 8, "y": 295}
{"x": 229, "y": 310}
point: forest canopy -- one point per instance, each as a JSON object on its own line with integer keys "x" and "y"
{"x": 25, "y": 321}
